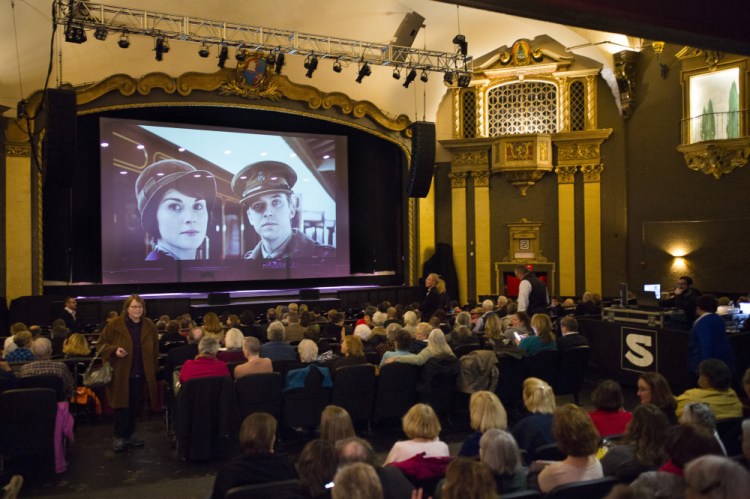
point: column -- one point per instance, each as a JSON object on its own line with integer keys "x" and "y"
{"x": 18, "y": 217}
{"x": 482, "y": 236}
{"x": 459, "y": 221}
{"x": 566, "y": 213}
{"x": 592, "y": 226}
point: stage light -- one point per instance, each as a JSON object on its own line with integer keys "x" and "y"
{"x": 74, "y": 33}
{"x": 396, "y": 73}
{"x": 161, "y": 47}
{"x": 464, "y": 80}
{"x": 279, "y": 63}
{"x": 101, "y": 33}
{"x": 337, "y": 66}
{"x": 241, "y": 53}
{"x": 311, "y": 64}
{"x": 410, "y": 77}
{"x": 223, "y": 55}
{"x": 124, "y": 41}
{"x": 463, "y": 45}
{"x": 448, "y": 78}
{"x": 424, "y": 77}
{"x": 203, "y": 52}
{"x": 363, "y": 71}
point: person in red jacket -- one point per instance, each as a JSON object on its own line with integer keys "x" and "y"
{"x": 205, "y": 364}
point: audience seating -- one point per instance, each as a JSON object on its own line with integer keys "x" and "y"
{"x": 571, "y": 372}
{"x": 285, "y": 489}
{"x": 524, "y": 494}
{"x": 437, "y": 384}
{"x": 284, "y": 366}
{"x": 730, "y": 433}
{"x": 396, "y": 391}
{"x": 590, "y": 489}
{"x": 543, "y": 365}
{"x": 510, "y": 385}
{"x": 354, "y": 390}
{"x": 259, "y": 393}
{"x": 302, "y": 406}
{"x": 51, "y": 381}
{"x": 548, "y": 452}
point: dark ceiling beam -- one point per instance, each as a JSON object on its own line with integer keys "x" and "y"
{"x": 721, "y": 25}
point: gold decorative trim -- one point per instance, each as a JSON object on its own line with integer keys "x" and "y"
{"x": 710, "y": 57}
{"x": 18, "y": 150}
{"x": 521, "y": 54}
{"x": 718, "y": 157}
{"x": 566, "y": 174}
{"x": 458, "y": 180}
{"x": 523, "y": 179}
{"x": 577, "y": 151}
{"x": 481, "y": 178}
{"x": 592, "y": 173}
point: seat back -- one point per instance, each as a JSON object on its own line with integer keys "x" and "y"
{"x": 259, "y": 393}
{"x": 523, "y": 494}
{"x": 51, "y": 381}
{"x": 590, "y": 489}
{"x": 27, "y": 427}
{"x": 511, "y": 373}
{"x": 730, "y": 432}
{"x": 571, "y": 371}
{"x": 285, "y": 489}
{"x": 284, "y": 366}
{"x": 462, "y": 350}
{"x": 543, "y": 365}
{"x": 396, "y": 390}
{"x": 548, "y": 452}
{"x": 354, "y": 390}
{"x": 302, "y": 406}
{"x": 437, "y": 386}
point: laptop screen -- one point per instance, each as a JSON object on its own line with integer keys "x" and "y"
{"x": 654, "y": 288}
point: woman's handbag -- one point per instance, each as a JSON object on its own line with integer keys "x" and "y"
{"x": 97, "y": 377}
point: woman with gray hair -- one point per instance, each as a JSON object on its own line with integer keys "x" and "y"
{"x": 716, "y": 477}
{"x": 499, "y": 451}
{"x": 205, "y": 364}
{"x": 233, "y": 341}
{"x": 700, "y": 414}
{"x": 436, "y": 347}
{"x": 308, "y": 351}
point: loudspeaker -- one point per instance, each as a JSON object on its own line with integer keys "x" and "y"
{"x": 60, "y": 138}
{"x": 309, "y": 294}
{"x": 218, "y": 298}
{"x": 422, "y": 159}
{"x": 406, "y": 33}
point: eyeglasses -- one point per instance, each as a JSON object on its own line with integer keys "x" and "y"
{"x": 135, "y": 306}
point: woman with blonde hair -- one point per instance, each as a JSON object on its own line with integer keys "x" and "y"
{"x": 422, "y": 426}
{"x": 212, "y": 327}
{"x": 76, "y": 346}
{"x": 535, "y": 429}
{"x": 335, "y": 424}
{"x": 544, "y": 338}
{"x": 486, "y": 412}
{"x": 353, "y": 351}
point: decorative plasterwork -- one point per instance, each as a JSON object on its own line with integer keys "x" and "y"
{"x": 522, "y": 159}
{"x": 625, "y": 62}
{"x": 566, "y": 174}
{"x": 711, "y": 58}
{"x": 717, "y": 157}
{"x": 592, "y": 173}
{"x": 18, "y": 150}
{"x": 458, "y": 180}
{"x": 580, "y": 148}
{"x": 481, "y": 178}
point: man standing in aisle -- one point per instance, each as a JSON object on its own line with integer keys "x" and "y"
{"x": 532, "y": 293}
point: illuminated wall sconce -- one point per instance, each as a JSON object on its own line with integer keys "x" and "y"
{"x": 625, "y": 62}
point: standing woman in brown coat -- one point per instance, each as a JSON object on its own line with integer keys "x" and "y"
{"x": 131, "y": 344}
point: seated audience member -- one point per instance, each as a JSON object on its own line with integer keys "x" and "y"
{"x": 486, "y": 412}
{"x": 233, "y": 342}
{"x": 555, "y": 309}
{"x": 501, "y": 310}
{"x": 422, "y": 426}
{"x": 355, "y": 450}
{"x": 389, "y": 344}
{"x": 171, "y": 337}
{"x": 488, "y": 308}
{"x": 716, "y": 477}
{"x": 402, "y": 343}
{"x": 334, "y": 330}
{"x": 293, "y": 330}
{"x": 363, "y": 332}
{"x": 653, "y": 388}
{"x": 642, "y": 447}
{"x": 466, "y": 478}
{"x": 410, "y": 322}
{"x": 499, "y": 451}
{"x": 317, "y": 466}
{"x": 205, "y": 364}
{"x": 258, "y": 462}
{"x": 683, "y": 444}
{"x": 76, "y": 346}
{"x": 495, "y": 338}
{"x": 535, "y": 429}
{"x": 420, "y": 335}
{"x": 378, "y": 333}
{"x": 507, "y": 321}
{"x": 714, "y": 378}
{"x": 589, "y": 305}
{"x": 255, "y": 364}
{"x": 247, "y": 323}
{"x": 335, "y": 424}
{"x": 544, "y": 338}
{"x": 701, "y": 415}
{"x": 436, "y": 347}
{"x": 610, "y": 417}
{"x": 186, "y": 325}
{"x": 41, "y": 349}
{"x": 519, "y": 323}
{"x": 393, "y": 317}
{"x": 357, "y": 481}
{"x": 22, "y": 352}
{"x": 366, "y": 316}
{"x": 578, "y": 439}
{"x": 307, "y": 351}
{"x": 276, "y": 348}
{"x": 353, "y": 351}
{"x": 570, "y": 338}
{"x": 179, "y": 355}
{"x": 212, "y": 327}
{"x": 462, "y": 336}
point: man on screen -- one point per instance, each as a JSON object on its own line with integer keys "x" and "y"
{"x": 265, "y": 190}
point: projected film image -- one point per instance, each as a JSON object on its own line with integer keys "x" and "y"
{"x": 184, "y": 203}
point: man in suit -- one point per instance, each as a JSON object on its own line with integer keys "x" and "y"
{"x": 571, "y": 338}
{"x": 708, "y": 336}
{"x": 277, "y": 348}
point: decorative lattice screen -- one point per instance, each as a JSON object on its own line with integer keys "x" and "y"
{"x": 522, "y": 107}
{"x": 468, "y": 118}
{"x": 577, "y": 107}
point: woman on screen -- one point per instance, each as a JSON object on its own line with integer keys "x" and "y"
{"x": 175, "y": 202}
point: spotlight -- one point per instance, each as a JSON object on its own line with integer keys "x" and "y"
{"x": 337, "y": 66}
{"x": 424, "y": 77}
{"x": 203, "y": 52}
{"x": 161, "y": 47}
{"x": 448, "y": 78}
{"x": 223, "y": 55}
{"x": 463, "y": 45}
{"x": 363, "y": 71}
{"x": 464, "y": 80}
{"x": 410, "y": 77}
{"x": 396, "y": 73}
{"x": 311, "y": 64}
{"x": 279, "y": 63}
{"x": 124, "y": 41}
{"x": 241, "y": 53}
{"x": 100, "y": 33}
{"x": 74, "y": 33}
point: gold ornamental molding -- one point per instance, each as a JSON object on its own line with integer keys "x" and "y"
{"x": 580, "y": 148}
{"x": 717, "y": 157}
{"x": 458, "y": 180}
{"x": 18, "y": 150}
{"x": 592, "y": 173}
{"x": 522, "y": 159}
{"x": 481, "y": 178}
{"x": 566, "y": 174}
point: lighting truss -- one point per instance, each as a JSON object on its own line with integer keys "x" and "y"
{"x": 91, "y": 15}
